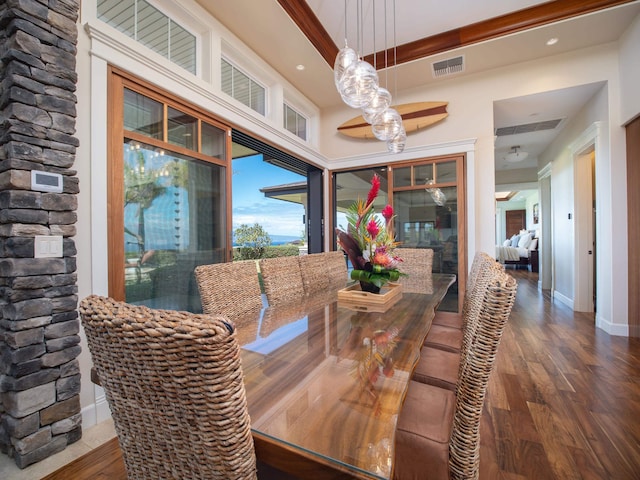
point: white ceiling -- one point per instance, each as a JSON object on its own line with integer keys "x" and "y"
{"x": 266, "y": 28}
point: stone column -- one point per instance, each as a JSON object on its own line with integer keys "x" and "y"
{"x": 39, "y": 341}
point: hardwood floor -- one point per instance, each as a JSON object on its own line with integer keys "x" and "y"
{"x": 563, "y": 401}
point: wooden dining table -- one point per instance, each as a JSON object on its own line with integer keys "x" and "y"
{"x": 326, "y": 378}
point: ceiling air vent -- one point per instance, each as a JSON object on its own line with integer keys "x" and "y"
{"x": 528, "y": 127}
{"x": 448, "y": 67}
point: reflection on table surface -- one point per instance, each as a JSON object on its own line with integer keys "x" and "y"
{"x": 327, "y": 380}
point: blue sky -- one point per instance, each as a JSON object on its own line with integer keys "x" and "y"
{"x": 250, "y": 206}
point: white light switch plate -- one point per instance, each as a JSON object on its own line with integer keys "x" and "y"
{"x": 47, "y": 246}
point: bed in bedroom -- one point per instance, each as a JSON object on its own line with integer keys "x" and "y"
{"x": 519, "y": 250}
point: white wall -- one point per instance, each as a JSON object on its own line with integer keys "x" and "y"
{"x": 630, "y": 73}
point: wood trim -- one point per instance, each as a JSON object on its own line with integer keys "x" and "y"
{"x": 633, "y": 213}
{"x": 514, "y": 22}
{"x": 115, "y": 186}
{"x": 463, "y": 240}
{"x": 302, "y": 15}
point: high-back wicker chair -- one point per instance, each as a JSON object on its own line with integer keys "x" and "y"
{"x": 415, "y": 261}
{"x": 282, "y": 279}
{"x": 438, "y": 431}
{"x": 439, "y": 366}
{"x": 313, "y": 269}
{"x": 336, "y": 268}
{"x": 174, "y": 384}
{"x": 230, "y": 288}
{"x": 449, "y": 337}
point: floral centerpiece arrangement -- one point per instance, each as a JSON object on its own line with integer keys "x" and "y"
{"x": 369, "y": 243}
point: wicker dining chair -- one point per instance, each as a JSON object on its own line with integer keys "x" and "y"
{"x": 438, "y": 431}
{"x": 232, "y": 288}
{"x": 282, "y": 279}
{"x": 441, "y": 367}
{"x": 455, "y": 319}
{"x": 415, "y": 261}
{"x": 336, "y": 267}
{"x": 313, "y": 269}
{"x": 448, "y": 337}
{"x": 174, "y": 384}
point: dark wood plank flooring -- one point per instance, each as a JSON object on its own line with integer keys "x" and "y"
{"x": 563, "y": 402}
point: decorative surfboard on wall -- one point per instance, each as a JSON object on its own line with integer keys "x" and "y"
{"x": 415, "y": 116}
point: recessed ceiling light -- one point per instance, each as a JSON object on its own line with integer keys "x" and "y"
{"x": 552, "y": 41}
{"x": 300, "y": 67}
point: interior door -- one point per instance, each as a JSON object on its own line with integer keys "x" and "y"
{"x": 516, "y": 220}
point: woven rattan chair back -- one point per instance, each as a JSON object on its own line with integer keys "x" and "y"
{"x": 416, "y": 261}
{"x": 314, "y": 274}
{"x": 483, "y": 271}
{"x": 336, "y": 268}
{"x": 282, "y": 279}
{"x": 464, "y": 445}
{"x": 230, "y": 289}
{"x": 174, "y": 384}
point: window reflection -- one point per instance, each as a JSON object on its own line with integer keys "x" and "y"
{"x": 173, "y": 221}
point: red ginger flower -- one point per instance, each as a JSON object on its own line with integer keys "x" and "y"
{"x": 387, "y": 213}
{"x": 375, "y": 188}
{"x": 373, "y": 229}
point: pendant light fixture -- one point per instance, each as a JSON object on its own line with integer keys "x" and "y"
{"x": 359, "y": 86}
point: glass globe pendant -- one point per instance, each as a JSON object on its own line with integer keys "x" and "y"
{"x": 379, "y": 103}
{"x": 397, "y": 143}
{"x": 359, "y": 84}
{"x": 345, "y": 57}
{"x": 387, "y": 125}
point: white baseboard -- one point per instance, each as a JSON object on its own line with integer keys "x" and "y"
{"x": 566, "y": 300}
{"x": 617, "y": 329}
{"x": 96, "y": 412}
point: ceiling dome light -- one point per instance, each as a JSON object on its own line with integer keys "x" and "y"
{"x": 515, "y": 155}
{"x": 552, "y": 41}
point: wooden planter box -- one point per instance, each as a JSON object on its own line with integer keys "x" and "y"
{"x": 354, "y": 298}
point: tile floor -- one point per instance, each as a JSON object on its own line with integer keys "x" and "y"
{"x": 91, "y": 438}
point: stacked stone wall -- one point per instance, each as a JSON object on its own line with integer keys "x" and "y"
{"x": 39, "y": 341}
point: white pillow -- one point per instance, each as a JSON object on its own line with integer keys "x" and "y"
{"x": 506, "y": 243}
{"x": 533, "y": 244}
{"x": 524, "y": 241}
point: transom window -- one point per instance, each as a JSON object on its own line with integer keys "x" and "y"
{"x": 295, "y": 122}
{"x": 243, "y": 88}
{"x": 149, "y": 26}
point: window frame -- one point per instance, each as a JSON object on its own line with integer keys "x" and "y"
{"x": 118, "y": 80}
